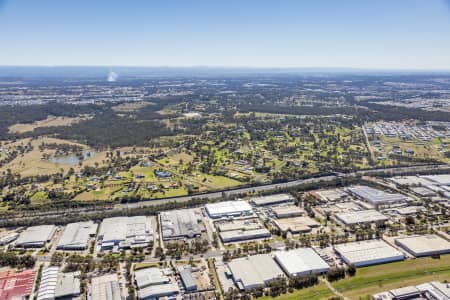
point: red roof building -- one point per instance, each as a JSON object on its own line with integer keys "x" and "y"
{"x": 16, "y": 285}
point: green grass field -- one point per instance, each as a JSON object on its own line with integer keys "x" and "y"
{"x": 318, "y": 292}
{"x": 380, "y": 278}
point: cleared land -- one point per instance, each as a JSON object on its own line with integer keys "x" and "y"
{"x": 51, "y": 121}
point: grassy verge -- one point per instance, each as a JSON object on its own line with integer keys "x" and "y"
{"x": 317, "y": 292}
{"x": 380, "y": 278}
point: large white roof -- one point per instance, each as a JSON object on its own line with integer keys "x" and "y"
{"x": 255, "y": 270}
{"x": 228, "y": 208}
{"x": 301, "y": 261}
{"x": 126, "y": 228}
{"x": 375, "y": 196}
{"x": 421, "y": 245}
{"x": 362, "y": 216}
{"x": 77, "y": 234}
{"x": 369, "y": 252}
{"x": 181, "y": 223}
{"x": 36, "y": 234}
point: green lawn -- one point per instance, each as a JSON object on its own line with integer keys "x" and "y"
{"x": 380, "y": 278}
{"x": 39, "y": 198}
{"x": 317, "y": 292}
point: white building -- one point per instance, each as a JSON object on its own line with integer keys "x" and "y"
{"x": 76, "y": 236}
{"x": 366, "y": 253}
{"x": 229, "y": 209}
{"x": 182, "y": 223}
{"x": 254, "y": 271}
{"x": 105, "y": 287}
{"x": 125, "y": 232}
{"x": 301, "y": 261}
{"x": 361, "y": 217}
{"x": 36, "y": 236}
{"x": 424, "y": 245}
{"x": 375, "y": 196}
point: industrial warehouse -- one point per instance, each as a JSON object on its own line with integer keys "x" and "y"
{"x": 185, "y": 223}
{"x": 76, "y": 236}
{"x": 241, "y": 230}
{"x": 424, "y": 245}
{"x": 296, "y": 224}
{"x": 287, "y": 211}
{"x": 105, "y": 287}
{"x": 254, "y": 271}
{"x": 366, "y": 253}
{"x": 300, "y": 262}
{"x": 272, "y": 199}
{"x": 36, "y": 236}
{"x": 361, "y": 217}
{"x": 55, "y": 285}
{"x": 229, "y": 209}
{"x": 152, "y": 283}
{"x": 374, "y": 196}
{"x": 125, "y": 232}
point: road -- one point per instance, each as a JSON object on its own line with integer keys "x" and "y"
{"x": 235, "y": 192}
{"x": 289, "y": 184}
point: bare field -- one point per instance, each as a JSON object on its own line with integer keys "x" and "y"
{"x": 32, "y": 164}
{"x": 51, "y": 121}
{"x": 130, "y": 107}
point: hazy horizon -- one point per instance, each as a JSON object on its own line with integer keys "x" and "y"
{"x": 381, "y": 35}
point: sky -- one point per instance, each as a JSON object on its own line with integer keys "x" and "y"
{"x": 374, "y": 34}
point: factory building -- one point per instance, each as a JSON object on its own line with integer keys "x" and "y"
{"x": 229, "y": 209}
{"x": 76, "y": 236}
{"x": 125, "y": 232}
{"x": 158, "y": 291}
{"x": 55, "y": 285}
{"x": 188, "y": 280}
{"x": 150, "y": 276}
{"x": 297, "y": 224}
{"x": 16, "y": 285}
{"x": 427, "y": 291}
{"x": 366, "y": 253}
{"x": 442, "y": 179}
{"x": 36, "y": 236}
{"x": 183, "y": 223}
{"x": 272, "y": 199}
{"x": 105, "y": 287}
{"x": 424, "y": 245}
{"x": 374, "y": 196}
{"x": 7, "y": 238}
{"x": 152, "y": 283}
{"x": 287, "y": 211}
{"x": 301, "y": 261}
{"x": 244, "y": 235}
{"x": 254, "y": 271}
{"x": 361, "y": 217}
{"x": 237, "y": 230}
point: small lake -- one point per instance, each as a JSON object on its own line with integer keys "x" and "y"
{"x": 72, "y": 159}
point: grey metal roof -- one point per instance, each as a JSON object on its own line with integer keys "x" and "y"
{"x": 301, "y": 261}
{"x": 181, "y": 223}
{"x": 255, "y": 270}
{"x": 187, "y": 279}
{"x": 149, "y": 276}
{"x": 37, "y": 235}
{"x": 76, "y": 235}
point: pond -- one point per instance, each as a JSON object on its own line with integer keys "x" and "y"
{"x": 72, "y": 159}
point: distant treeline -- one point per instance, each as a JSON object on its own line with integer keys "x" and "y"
{"x": 364, "y": 111}
{"x": 10, "y": 115}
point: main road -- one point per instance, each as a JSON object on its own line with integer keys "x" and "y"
{"x": 290, "y": 184}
